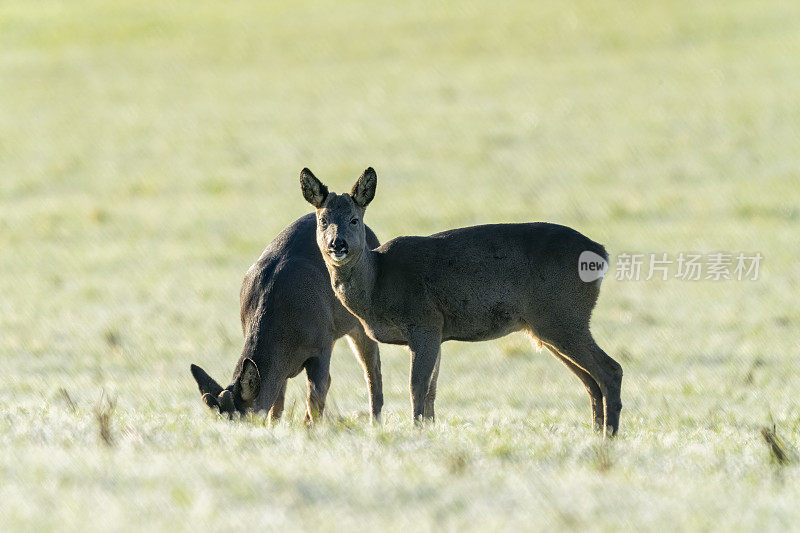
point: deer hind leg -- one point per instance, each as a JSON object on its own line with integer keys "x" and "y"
{"x": 592, "y": 388}
{"x": 430, "y": 396}
{"x": 425, "y": 348}
{"x": 319, "y": 381}
{"x": 369, "y": 355}
{"x": 277, "y": 408}
{"x": 582, "y": 351}
{"x": 612, "y": 400}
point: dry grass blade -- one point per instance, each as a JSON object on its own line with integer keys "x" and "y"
{"x": 602, "y": 456}
{"x": 457, "y": 462}
{"x": 68, "y": 399}
{"x": 113, "y": 338}
{"x": 749, "y": 378}
{"x": 103, "y": 412}
{"x": 779, "y": 451}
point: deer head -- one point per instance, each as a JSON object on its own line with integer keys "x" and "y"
{"x": 239, "y": 396}
{"x": 341, "y": 234}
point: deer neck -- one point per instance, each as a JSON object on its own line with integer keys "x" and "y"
{"x": 354, "y": 282}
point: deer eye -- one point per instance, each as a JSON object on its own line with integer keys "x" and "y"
{"x": 354, "y": 221}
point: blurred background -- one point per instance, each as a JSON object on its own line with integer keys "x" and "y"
{"x": 149, "y": 152}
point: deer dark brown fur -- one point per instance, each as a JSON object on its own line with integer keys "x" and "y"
{"x": 291, "y": 320}
{"x": 468, "y": 284}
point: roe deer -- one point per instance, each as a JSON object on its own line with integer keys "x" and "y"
{"x": 469, "y": 284}
{"x": 290, "y": 320}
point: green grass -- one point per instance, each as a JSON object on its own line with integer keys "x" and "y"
{"x": 149, "y": 152}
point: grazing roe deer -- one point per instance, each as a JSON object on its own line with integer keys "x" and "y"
{"x": 291, "y": 320}
{"x": 469, "y": 284}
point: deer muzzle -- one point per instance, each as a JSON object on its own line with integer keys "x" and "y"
{"x": 338, "y": 250}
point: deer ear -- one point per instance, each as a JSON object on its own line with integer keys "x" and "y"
{"x": 364, "y": 190}
{"x": 205, "y": 383}
{"x": 249, "y": 381}
{"x": 314, "y": 191}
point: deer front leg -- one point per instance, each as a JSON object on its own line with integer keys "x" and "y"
{"x": 319, "y": 381}
{"x": 277, "y": 407}
{"x": 425, "y": 349}
{"x": 271, "y": 392}
{"x": 368, "y": 353}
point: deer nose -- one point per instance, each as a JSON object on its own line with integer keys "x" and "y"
{"x": 338, "y": 245}
{"x": 225, "y": 400}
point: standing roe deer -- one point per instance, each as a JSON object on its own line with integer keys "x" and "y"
{"x": 468, "y": 284}
{"x": 290, "y": 320}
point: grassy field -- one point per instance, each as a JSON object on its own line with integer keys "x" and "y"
{"x": 149, "y": 151}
